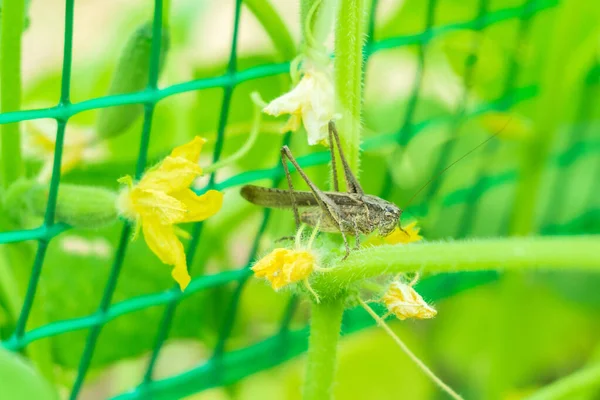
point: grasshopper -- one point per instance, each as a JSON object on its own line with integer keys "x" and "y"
{"x": 350, "y": 213}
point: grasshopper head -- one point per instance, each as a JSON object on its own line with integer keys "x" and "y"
{"x": 391, "y": 218}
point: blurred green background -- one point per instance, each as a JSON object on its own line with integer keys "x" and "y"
{"x": 441, "y": 77}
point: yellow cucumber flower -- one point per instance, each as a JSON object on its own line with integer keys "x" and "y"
{"x": 408, "y": 234}
{"x": 163, "y": 198}
{"x": 80, "y": 145}
{"x": 404, "y": 302}
{"x": 282, "y": 267}
{"x": 310, "y": 102}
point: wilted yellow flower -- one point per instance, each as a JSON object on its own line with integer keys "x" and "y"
{"x": 80, "y": 145}
{"x": 408, "y": 234}
{"x": 404, "y": 302}
{"x": 310, "y": 102}
{"x": 282, "y": 267}
{"x": 163, "y": 198}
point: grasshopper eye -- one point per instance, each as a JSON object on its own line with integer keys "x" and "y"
{"x": 389, "y": 212}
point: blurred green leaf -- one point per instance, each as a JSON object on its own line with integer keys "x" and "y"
{"x": 513, "y": 335}
{"x": 20, "y": 381}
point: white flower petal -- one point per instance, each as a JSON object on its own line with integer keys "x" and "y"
{"x": 294, "y": 100}
{"x": 313, "y": 100}
{"x": 315, "y": 125}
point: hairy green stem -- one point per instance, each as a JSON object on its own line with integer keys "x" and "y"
{"x": 326, "y": 317}
{"x": 577, "y": 252}
{"x": 13, "y": 13}
{"x": 274, "y": 26}
{"x": 349, "y": 38}
{"x": 584, "y": 380}
{"x": 326, "y": 320}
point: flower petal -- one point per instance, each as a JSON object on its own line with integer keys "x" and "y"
{"x": 298, "y": 265}
{"x": 294, "y": 100}
{"x": 39, "y": 138}
{"x": 292, "y": 124}
{"x": 181, "y": 276}
{"x": 163, "y": 242}
{"x": 404, "y": 302}
{"x": 282, "y": 267}
{"x": 190, "y": 151}
{"x": 269, "y": 264}
{"x": 316, "y": 126}
{"x": 171, "y": 175}
{"x": 72, "y": 156}
{"x": 408, "y": 235}
{"x": 199, "y": 207}
{"x": 157, "y": 205}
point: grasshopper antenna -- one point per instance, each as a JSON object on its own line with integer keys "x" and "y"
{"x": 436, "y": 176}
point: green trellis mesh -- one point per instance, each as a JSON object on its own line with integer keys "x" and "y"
{"x": 224, "y": 366}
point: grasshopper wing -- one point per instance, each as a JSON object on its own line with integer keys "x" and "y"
{"x": 280, "y": 198}
{"x": 277, "y": 198}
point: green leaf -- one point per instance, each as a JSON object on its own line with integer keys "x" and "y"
{"x": 20, "y": 381}
{"x": 514, "y": 335}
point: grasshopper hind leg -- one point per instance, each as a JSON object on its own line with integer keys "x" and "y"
{"x": 328, "y": 207}
{"x": 330, "y": 225}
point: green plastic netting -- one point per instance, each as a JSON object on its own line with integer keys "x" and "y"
{"x": 225, "y": 366}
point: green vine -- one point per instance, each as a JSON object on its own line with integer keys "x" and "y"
{"x": 326, "y": 319}
{"x": 274, "y": 26}
{"x": 473, "y": 255}
{"x": 349, "y": 37}
{"x": 326, "y": 316}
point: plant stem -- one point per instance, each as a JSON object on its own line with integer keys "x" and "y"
{"x": 349, "y": 37}
{"x": 326, "y": 320}
{"x": 13, "y": 17}
{"x": 586, "y": 379}
{"x": 305, "y": 6}
{"x": 274, "y": 26}
{"x": 326, "y": 317}
{"x": 323, "y": 19}
{"x": 11, "y": 168}
{"x": 472, "y": 255}
{"x": 409, "y": 353}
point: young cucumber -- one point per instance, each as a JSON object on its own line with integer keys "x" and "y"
{"x": 130, "y": 76}
{"x": 78, "y": 206}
